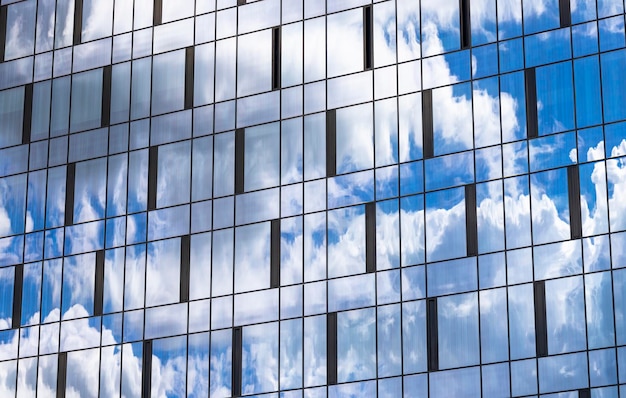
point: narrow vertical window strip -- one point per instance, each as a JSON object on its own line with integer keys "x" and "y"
{"x": 331, "y": 347}
{"x": 240, "y": 150}
{"x": 276, "y": 58}
{"x": 370, "y": 237}
{"x": 368, "y": 42}
{"x": 275, "y": 254}
{"x": 185, "y": 257}
{"x": 466, "y": 26}
{"x": 69, "y": 193}
{"x": 573, "y": 185}
{"x": 105, "y": 118}
{"x": 565, "y": 14}
{"x": 532, "y": 123}
{"x": 78, "y": 21}
{"x": 241, "y": 2}
{"x": 331, "y": 143}
{"x": 432, "y": 331}
{"x": 146, "y": 369}
{"x": 541, "y": 329}
{"x": 471, "y": 226}
{"x": 3, "y": 30}
{"x": 584, "y": 393}
{"x": 98, "y": 300}
{"x": 16, "y": 320}
{"x": 189, "y": 76}
{"x": 427, "y": 123}
{"x": 27, "y": 114}
{"x": 236, "y": 362}
{"x": 157, "y": 12}
{"x": 61, "y": 374}
{"x": 153, "y": 162}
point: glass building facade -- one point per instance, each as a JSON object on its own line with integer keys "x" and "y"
{"x": 312, "y": 198}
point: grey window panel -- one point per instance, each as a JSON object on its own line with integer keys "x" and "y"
{"x": 189, "y": 76}
{"x": 275, "y": 254}
{"x": 471, "y": 233}
{"x": 69, "y": 193}
{"x": 61, "y": 374}
{"x": 146, "y": 369}
{"x": 157, "y": 12}
{"x": 368, "y": 40}
{"x": 466, "y": 27}
{"x": 185, "y": 256}
{"x": 427, "y": 124}
{"x": 276, "y": 57}
{"x": 240, "y": 150}
{"x": 573, "y": 190}
{"x": 98, "y": 297}
{"x": 17, "y": 296}
{"x": 331, "y": 348}
{"x": 78, "y": 21}
{"x": 532, "y": 123}
{"x": 28, "y": 113}
{"x": 153, "y": 162}
{"x": 331, "y": 143}
{"x": 236, "y": 362}
{"x": 370, "y": 237}
{"x": 541, "y": 325}
{"x": 432, "y": 334}
{"x": 3, "y": 30}
{"x": 106, "y": 96}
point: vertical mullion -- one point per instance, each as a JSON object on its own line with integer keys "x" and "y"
{"x": 465, "y": 21}
{"x": 368, "y": 42}
{"x": 573, "y": 191}
{"x": 432, "y": 331}
{"x": 185, "y": 256}
{"x": 276, "y": 57}
{"x": 69, "y": 193}
{"x": 98, "y": 301}
{"x": 61, "y": 374}
{"x": 427, "y": 124}
{"x": 541, "y": 329}
{"x": 471, "y": 227}
{"x": 240, "y": 151}
{"x": 105, "y": 119}
{"x": 331, "y": 143}
{"x": 153, "y": 162}
{"x": 370, "y": 237}
{"x": 189, "y": 76}
{"x": 565, "y": 14}
{"x": 275, "y": 254}
{"x": 3, "y": 30}
{"x": 17, "y": 296}
{"x": 331, "y": 347}
{"x": 532, "y": 123}
{"x": 157, "y": 13}
{"x": 78, "y": 21}
{"x": 236, "y": 362}
{"x": 146, "y": 369}
{"x": 27, "y": 115}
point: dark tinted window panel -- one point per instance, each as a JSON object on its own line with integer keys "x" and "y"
{"x": 331, "y": 348}
{"x": 99, "y": 284}
{"x": 17, "y": 296}
{"x": 189, "y": 76}
{"x": 236, "y": 362}
{"x": 471, "y": 221}
{"x": 370, "y": 237}
{"x": 276, "y": 58}
{"x": 106, "y": 96}
{"x": 185, "y": 256}
{"x": 146, "y": 369}
{"x": 61, "y": 374}
{"x": 3, "y": 31}
{"x": 466, "y": 28}
{"x": 240, "y": 150}
{"x": 78, "y": 21}
{"x": 573, "y": 184}
{"x": 541, "y": 328}
{"x": 565, "y": 14}
{"x": 331, "y": 143}
{"x": 69, "y": 193}
{"x": 275, "y": 254}
{"x": 432, "y": 334}
{"x": 157, "y": 15}
{"x": 368, "y": 41}
{"x": 427, "y": 123}
{"x": 153, "y": 162}
{"x": 532, "y": 122}
{"x": 28, "y": 113}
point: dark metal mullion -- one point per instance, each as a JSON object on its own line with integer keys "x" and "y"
{"x": 465, "y": 22}
{"x": 541, "y": 327}
{"x": 370, "y": 237}
{"x": 69, "y": 193}
{"x": 432, "y": 334}
{"x": 532, "y": 123}
{"x": 17, "y": 296}
{"x": 27, "y": 114}
{"x": 276, "y": 58}
{"x": 157, "y": 12}
{"x": 368, "y": 42}
{"x": 240, "y": 150}
{"x": 573, "y": 190}
{"x": 331, "y": 347}
{"x": 105, "y": 118}
{"x": 331, "y": 143}
{"x": 565, "y": 14}
{"x": 3, "y": 30}
{"x": 471, "y": 224}
{"x": 78, "y": 21}
{"x": 275, "y": 254}
{"x": 153, "y": 162}
{"x": 236, "y": 362}
{"x": 98, "y": 301}
{"x": 427, "y": 124}
{"x": 61, "y": 374}
{"x": 189, "y": 76}
{"x": 146, "y": 369}
{"x": 185, "y": 259}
